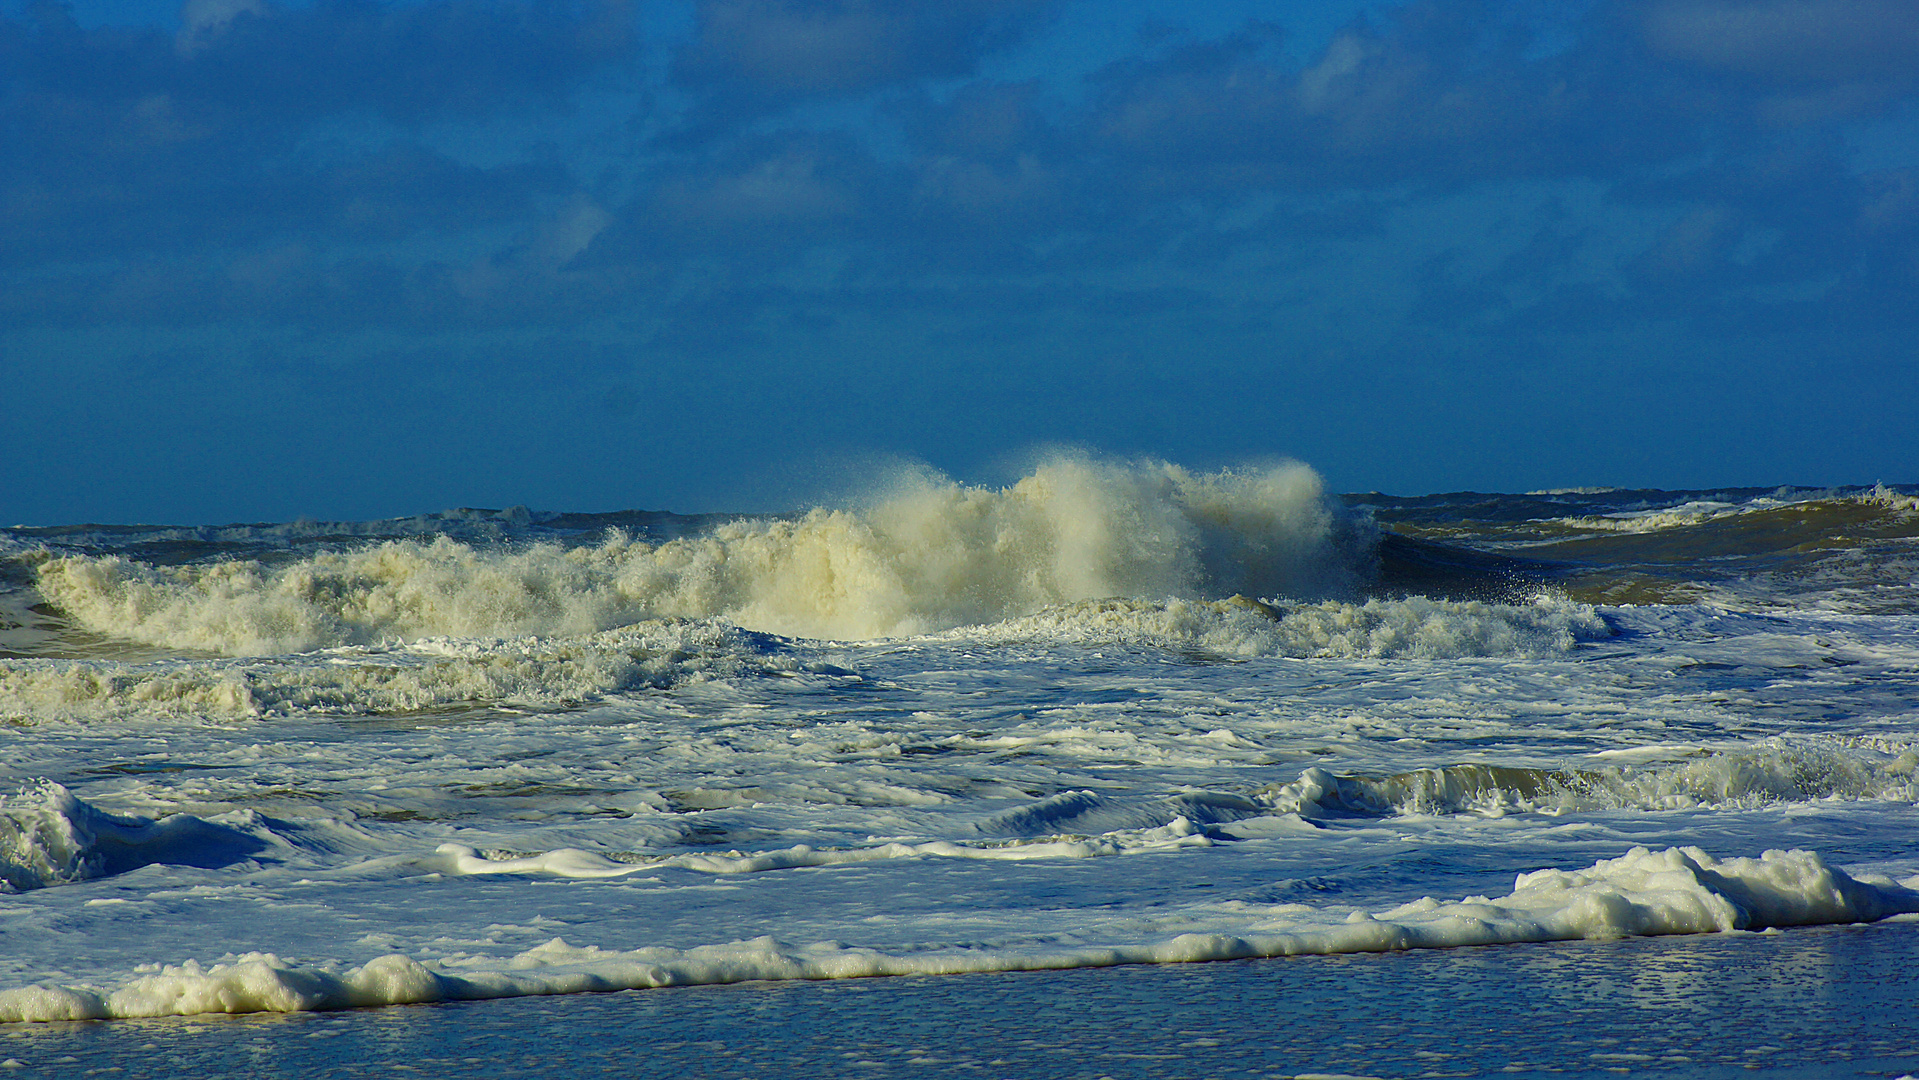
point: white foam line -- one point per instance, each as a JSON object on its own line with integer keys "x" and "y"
{"x": 1675, "y": 891}
{"x": 574, "y": 863}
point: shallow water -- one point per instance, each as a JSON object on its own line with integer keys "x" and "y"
{"x": 1816, "y": 1002}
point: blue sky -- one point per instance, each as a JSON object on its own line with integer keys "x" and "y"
{"x": 359, "y": 258}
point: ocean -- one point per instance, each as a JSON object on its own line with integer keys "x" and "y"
{"x": 1113, "y": 714}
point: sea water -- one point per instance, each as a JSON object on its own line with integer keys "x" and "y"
{"x": 1812, "y": 1003}
{"x": 1113, "y": 714}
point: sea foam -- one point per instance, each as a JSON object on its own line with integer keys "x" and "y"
{"x": 541, "y": 673}
{"x": 48, "y": 837}
{"x": 1413, "y": 627}
{"x": 420, "y": 676}
{"x": 1780, "y": 772}
{"x": 1644, "y": 892}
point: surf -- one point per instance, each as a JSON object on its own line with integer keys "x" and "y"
{"x": 931, "y": 555}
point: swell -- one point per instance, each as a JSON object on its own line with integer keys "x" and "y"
{"x": 1854, "y": 550}
{"x": 1856, "y": 554}
{"x": 1698, "y": 531}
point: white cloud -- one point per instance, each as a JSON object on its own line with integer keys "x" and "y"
{"x": 203, "y": 21}
{"x": 1792, "y": 41}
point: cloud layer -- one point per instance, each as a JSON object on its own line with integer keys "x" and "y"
{"x": 301, "y": 162}
{"x": 700, "y": 184}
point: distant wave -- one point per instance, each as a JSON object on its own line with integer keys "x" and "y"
{"x": 1841, "y": 550}
{"x": 1803, "y": 510}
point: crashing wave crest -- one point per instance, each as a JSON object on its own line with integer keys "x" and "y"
{"x": 935, "y": 555}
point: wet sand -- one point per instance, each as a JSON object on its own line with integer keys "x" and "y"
{"x": 1812, "y": 1003}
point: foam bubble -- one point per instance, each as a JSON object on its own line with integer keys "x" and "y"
{"x": 1881, "y": 495}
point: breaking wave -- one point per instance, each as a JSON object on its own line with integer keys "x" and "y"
{"x": 49, "y": 837}
{"x": 934, "y": 555}
{"x": 1773, "y": 774}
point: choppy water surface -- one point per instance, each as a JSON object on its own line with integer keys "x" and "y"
{"x": 1109, "y": 715}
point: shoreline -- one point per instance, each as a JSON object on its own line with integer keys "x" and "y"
{"x": 1810, "y": 1002}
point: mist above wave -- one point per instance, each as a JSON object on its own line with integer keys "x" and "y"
{"x": 933, "y": 555}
